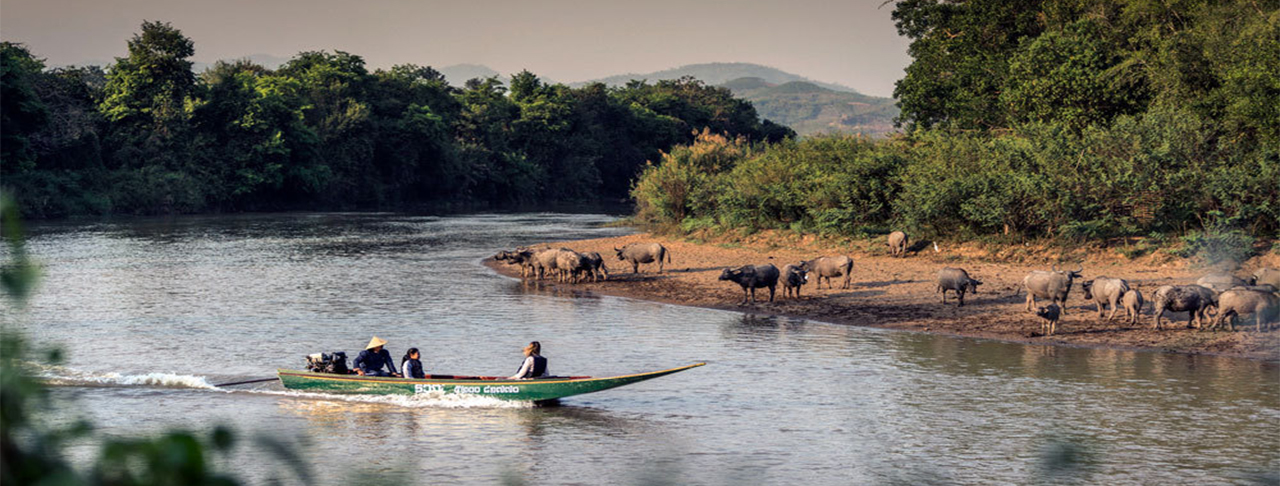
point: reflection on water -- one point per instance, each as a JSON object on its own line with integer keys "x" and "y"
{"x": 213, "y": 299}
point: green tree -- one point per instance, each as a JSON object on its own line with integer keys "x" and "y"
{"x": 21, "y": 111}
{"x": 149, "y": 87}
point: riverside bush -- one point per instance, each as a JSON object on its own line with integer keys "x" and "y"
{"x": 1161, "y": 172}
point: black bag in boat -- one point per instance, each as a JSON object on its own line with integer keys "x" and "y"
{"x": 335, "y": 363}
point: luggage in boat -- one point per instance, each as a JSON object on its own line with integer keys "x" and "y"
{"x": 335, "y": 363}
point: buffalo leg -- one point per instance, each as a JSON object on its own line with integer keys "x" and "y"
{"x": 960, "y": 294}
{"x": 1031, "y": 300}
{"x": 944, "y": 295}
{"x": 772, "y": 289}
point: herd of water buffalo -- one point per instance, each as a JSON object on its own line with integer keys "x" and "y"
{"x": 1230, "y": 296}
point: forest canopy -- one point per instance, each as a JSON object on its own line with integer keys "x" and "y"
{"x": 147, "y": 134}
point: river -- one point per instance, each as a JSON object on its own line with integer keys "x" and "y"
{"x": 152, "y": 311}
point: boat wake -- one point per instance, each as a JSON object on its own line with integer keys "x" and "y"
{"x": 63, "y": 376}
{"x": 421, "y": 400}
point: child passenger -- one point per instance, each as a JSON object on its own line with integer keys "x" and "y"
{"x": 410, "y": 366}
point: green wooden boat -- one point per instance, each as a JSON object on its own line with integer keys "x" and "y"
{"x": 537, "y": 389}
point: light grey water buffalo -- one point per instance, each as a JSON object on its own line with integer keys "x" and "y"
{"x": 827, "y": 267}
{"x": 898, "y": 243}
{"x": 1267, "y": 288}
{"x": 793, "y": 277}
{"x": 637, "y": 253}
{"x": 1104, "y": 291}
{"x": 1219, "y": 281}
{"x": 545, "y": 262}
{"x": 568, "y": 265}
{"x": 1192, "y": 299}
{"x": 1240, "y": 302}
{"x": 1132, "y": 303}
{"x": 1050, "y": 313}
{"x": 957, "y": 280}
{"x": 1054, "y": 285}
{"x": 752, "y": 277}
{"x": 1266, "y": 276}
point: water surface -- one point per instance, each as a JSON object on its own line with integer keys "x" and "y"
{"x": 184, "y": 302}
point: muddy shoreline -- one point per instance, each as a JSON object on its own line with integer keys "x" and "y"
{"x": 899, "y": 293}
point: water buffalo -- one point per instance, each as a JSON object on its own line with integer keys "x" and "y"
{"x": 1104, "y": 291}
{"x": 1266, "y": 276}
{"x": 1219, "y": 281}
{"x": 793, "y": 277}
{"x": 958, "y": 280}
{"x": 752, "y": 277}
{"x": 898, "y": 243}
{"x": 521, "y": 256}
{"x": 1266, "y": 288}
{"x": 827, "y": 267}
{"x": 1050, "y": 313}
{"x": 569, "y": 265}
{"x": 593, "y": 265}
{"x": 1192, "y": 299}
{"x": 546, "y": 262}
{"x": 1132, "y": 303}
{"x": 638, "y": 253}
{"x": 1239, "y": 302}
{"x": 1053, "y": 285}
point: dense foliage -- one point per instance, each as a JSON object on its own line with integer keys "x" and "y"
{"x": 1074, "y": 119}
{"x": 148, "y": 135}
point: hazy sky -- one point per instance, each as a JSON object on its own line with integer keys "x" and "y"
{"x": 851, "y": 42}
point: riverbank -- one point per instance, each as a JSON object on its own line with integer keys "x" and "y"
{"x": 899, "y": 293}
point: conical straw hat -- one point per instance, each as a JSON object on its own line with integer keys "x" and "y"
{"x": 375, "y": 342}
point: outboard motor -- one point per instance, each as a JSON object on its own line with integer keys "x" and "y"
{"x": 335, "y": 363}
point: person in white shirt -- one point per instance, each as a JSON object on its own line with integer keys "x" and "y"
{"x": 534, "y": 366}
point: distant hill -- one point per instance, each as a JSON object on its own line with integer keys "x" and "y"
{"x": 715, "y": 73}
{"x": 458, "y": 74}
{"x": 810, "y": 109}
{"x": 265, "y": 60}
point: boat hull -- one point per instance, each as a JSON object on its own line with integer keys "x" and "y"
{"x": 538, "y": 390}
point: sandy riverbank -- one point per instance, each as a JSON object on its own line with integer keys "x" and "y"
{"x": 899, "y": 293}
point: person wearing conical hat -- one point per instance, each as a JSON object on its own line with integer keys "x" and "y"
{"x": 374, "y": 358}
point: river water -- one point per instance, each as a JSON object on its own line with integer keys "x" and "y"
{"x": 151, "y": 312}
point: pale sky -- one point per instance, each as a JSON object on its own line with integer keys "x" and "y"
{"x": 851, "y": 42}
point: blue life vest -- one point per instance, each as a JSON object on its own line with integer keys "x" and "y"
{"x": 413, "y": 369}
{"x": 539, "y": 367}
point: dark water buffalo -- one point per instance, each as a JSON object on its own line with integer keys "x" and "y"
{"x": 638, "y": 253}
{"x": 593, "y": 265}
{"x": 1104, "y": 291}
{"x": 1050, "y": 313}
{"x": 827, "y": 267}
{"x": 1192, "y": 299}
{"x": 1266, "y": 276}
{"x": 898, "y": 243}
{"x": 1219, "y": 282}
{"x": 1132, "y": 303}
{"x": 1240, "y": 302}
{"x": 957, "y": 280}
{"x": 752, "y": 277}
{"x": 1053, "y": 285}
{"x": 793, "y": 277}
{"x": 521, "y": 256}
